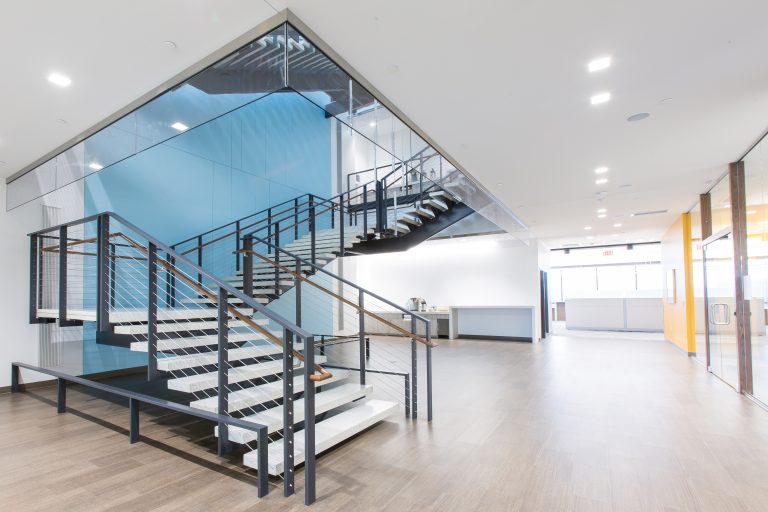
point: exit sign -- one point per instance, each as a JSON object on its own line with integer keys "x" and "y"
{"x": 608, "y": 253}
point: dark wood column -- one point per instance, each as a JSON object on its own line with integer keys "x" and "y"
{"x": 739, "y": 222}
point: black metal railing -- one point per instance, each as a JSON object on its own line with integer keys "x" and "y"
{"x": 138, "y": 297}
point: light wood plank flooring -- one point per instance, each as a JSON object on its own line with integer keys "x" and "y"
{"x": 577, "y": 423}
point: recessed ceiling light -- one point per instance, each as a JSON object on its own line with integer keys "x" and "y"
{"x": 751, "y": 212}
{"x": 372, "y": 124}
{"x": 601, "y": 216}
{"x": 599, "y": 64}
{"x": 59, "y": 79}
{"x": 169, "y": 44}
{"x": 601, "y": 170}
{"x": 617, "y": 225}
{"x": 501, "y": 184}
{"x": 590, "y": 238}
{"x": 62, "y": 121}
{"x": 601, "y": 181}
{"x": 95, "y": 166}
{"x": 603, "y": 97}
{"x": 615, "y": 235}
{"x": 666, "y": 101}
{"x": 638, "y": 117}
{"x": 587, "y": 228}
{"x": 179, "y": 126}
{"x": 601, "y": 210}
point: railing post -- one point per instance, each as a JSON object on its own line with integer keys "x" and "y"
{"x": 414, "y": 378}
{"x": 34, "y": 278}
{"x": 269, "y": 230}
{"x": 407, "y": 396}
{"x": 288, "y": 423}
{"x": 429, "y": 371}
{"x": 200, "y": 258}
{"x": 248, "y": 265}
{"x": 309, "y": 421}
{"x": 365, "y": 211}
{"x": 152, "y": 373}
{"x": 333, "y": 215}
{"x": 341, "y": 227}
{"x": 277, "y": 259}
{"x": 223, "y": 361}
{"x": 133, "y": 423}
{"x": 61, "y": 396}
{"x": 63, "y": 276}
{"x": 102, "y": 268}
{"x": 380, "y": 209}
{"x": 312, "y": 232}
{"x": 14, "y": 378}
{"x": 361, "y": 320}
{"x": 263, "y": 462}
{"x": 168, "y": 274}
{"x": 237, "y": 246}
{"x": 296, "y": 218}
{"x": 297, "y": 287}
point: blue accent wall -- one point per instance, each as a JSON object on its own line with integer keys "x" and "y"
{"x": 274, "y": 149}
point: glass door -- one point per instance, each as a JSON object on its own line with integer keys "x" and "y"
{"x": 720, "y": 286}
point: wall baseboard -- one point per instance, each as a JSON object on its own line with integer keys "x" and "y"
{"x": 122, "y": 372}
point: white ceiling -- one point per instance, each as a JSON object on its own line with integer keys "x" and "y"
{"x": 502, "y": 86}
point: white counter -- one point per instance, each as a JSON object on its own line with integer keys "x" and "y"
{"x": 493, "y": 322}
{"x": 488, "y": 322}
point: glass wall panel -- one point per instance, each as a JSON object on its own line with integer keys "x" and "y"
{"x": 720, "y": 197}
{"x": 246, "y": 75}
{"x": 697, "y": 256}
{"x": 756, "y": 178}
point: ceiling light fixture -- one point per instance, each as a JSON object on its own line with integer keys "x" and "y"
{"x": 601, "y": 210}
{"x": 601, "y": 216}
{"x": 59, "y": 79}
{"x": 601, "y": 170}
{"x": 587, "y": 228}
{"x": 372, "y": 124}
{"x": 603, "y": 97}
{"x": 179, "y": 126}
{"x": 601, "y": 181}
{"x": 95, "y": 166}
{"x": 617, "y": 225}
{"x": 599, "y": 64}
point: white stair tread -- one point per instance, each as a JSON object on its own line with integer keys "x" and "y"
{"x": 424, "y": 212}
{"x": 185, "y": 326}
{"x": 135, "y": 315}
{"x": 250, "y": 397}
{"x": 208, "y": 380}
{"x": 72, "y": 314}
{"x": 200, "y": 341}
{"x": 324, "y": 402}
{"x": 174, "y": 363}
{"x": 328, "y": 433}
{"x": 437, "y": 203}
{"x": 234, "y": 300}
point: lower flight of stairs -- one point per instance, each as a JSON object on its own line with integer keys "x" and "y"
{"x": 342, "y": 409}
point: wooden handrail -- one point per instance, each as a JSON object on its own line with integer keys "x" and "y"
{"x": 300, "y": 277}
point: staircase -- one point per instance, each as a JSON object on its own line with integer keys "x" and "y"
{"x": 216, "y": 340}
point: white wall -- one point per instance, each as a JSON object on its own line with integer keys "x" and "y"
{"x": 490, "y": 270}
{"x": 20, "y": 339}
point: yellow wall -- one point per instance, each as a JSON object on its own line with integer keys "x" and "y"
{"x": 676, "y": 255}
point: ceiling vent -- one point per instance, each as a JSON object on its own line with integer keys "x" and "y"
{"x": 651, "y": 212}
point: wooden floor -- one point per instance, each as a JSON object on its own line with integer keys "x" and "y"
{"x": 577, "y": 423}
